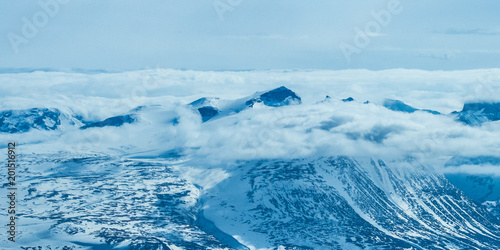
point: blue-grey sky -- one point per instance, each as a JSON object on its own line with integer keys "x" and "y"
{"x": 249, "y": 34}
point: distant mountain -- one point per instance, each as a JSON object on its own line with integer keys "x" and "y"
{"x": 478, "y": 160}
{"x": 115, "y": 121}
{"x": 205, "y": 101}
{"x": 212, "y": 107}
{"x": 177, "y": 184}
{"x": 397, "y": 105}
{"x": 477, "y": 113}
{"x": 207, "y": 113}
{"x": 20, "y": 121}
{"x": 483, "y": 188}
{"x": 207, "y": 107}
{"x": 275, "y": 98}
{"x": 157, "y": 114}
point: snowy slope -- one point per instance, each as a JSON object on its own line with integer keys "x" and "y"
{"x": 346, "y": 203}
{"x": 475, "y": 179}
{"x": 93, "y": 201}
{"x": 333, "y": 202}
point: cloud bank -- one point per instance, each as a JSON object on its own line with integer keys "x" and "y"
{"x": 168, "y": 126}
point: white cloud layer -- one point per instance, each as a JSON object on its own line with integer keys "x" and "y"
{"x": 310, "y": 129}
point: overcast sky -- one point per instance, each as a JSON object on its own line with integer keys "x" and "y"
{"x": 249, "y": 34}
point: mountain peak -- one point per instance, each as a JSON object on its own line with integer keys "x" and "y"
{"x": 210, "y": 107}
{"x": 20, "y": 121}
{"x": 397, "y": 105}
{"x": 477, "y": 113}
{"x": 115, "y": 121}
{"x": 205, "y": 101}
{"x": 281, "y": 96}
{"x": 486, "y": 106}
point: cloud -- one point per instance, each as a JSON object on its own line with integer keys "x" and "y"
{"x": 258, "y": 37}
{"x": 438, "y": 54}
{"x": 486, "y": 169}
{"x": 311, "y": 129}
{"x": 476, "y": 31}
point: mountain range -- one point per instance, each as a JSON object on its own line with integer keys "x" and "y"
{"x": 170, "y": 194}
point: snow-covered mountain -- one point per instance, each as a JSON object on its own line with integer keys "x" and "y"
{"x": 335, "y": 202}
{"x": 278, "y": 169}
{"x": 481, "y": 186}
{"x": 211, "y": 107}
{"x": 20, "y": 121}
{"x": 398, "y": 105}
{"x": 478, "y": 113}
{"x": 347, "y": 203}
{"x": 102, "y": 202}
{"x": 115, "y": 121}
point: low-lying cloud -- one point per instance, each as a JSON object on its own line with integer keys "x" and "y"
{"x": 314, "y": 128}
